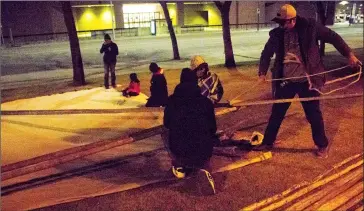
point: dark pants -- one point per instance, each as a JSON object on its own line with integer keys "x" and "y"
{"x": 109, "y": 68}
{"x": 311, "y": 108}
{"x": 129, "y": 94}
{"x": 186, "y": 162}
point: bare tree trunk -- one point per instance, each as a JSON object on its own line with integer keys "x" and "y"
{"x": 78, "y": 73}
{"x": 171, "y": 30}
{"x": 321, "y": 10}
{"x": 228, "y": 48}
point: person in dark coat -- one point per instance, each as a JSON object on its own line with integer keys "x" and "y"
{"x": 158, "y": 87}
{"x": 110, "y": 51}
{"x": 295, "y": 45}
{"x": 190, "y": 120}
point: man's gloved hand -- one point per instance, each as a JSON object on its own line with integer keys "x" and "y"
{"x": 353, "y": 61}
{"x": 261, "y": 79}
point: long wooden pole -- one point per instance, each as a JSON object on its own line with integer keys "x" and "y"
{"x": 239, "y": 164}
{"x": 265, "y": 102}
{"x": 312, "y": 187}
{"x": 328, "y": 192}
{"x": 63, "y": 159}
{"x": 300, "y": 192}
{"x": 343, "y": 197}
{"x": 297, "y": 186}
{"x": 352, "y": 202}
{"x": 360, "y": 208}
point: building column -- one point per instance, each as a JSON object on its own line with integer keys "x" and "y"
{"x": 237, "y": 13}
{"x": 118, "y": 13}
{"x": 180, "y": 14}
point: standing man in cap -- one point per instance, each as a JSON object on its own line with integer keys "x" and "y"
{"x": 110, "y": 50}
{"x": 208, "y": 82}
{"x": 295, "y": 45}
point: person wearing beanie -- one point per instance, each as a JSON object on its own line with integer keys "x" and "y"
{"x": 190, "y": 120}
{"x": 208, "y": 82}
{"x": 158, "y": 87}
{"x": 297, "y": 55}
{"x": 110, "y": 51}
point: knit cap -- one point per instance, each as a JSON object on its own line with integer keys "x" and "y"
{"x": 196, "y": 61}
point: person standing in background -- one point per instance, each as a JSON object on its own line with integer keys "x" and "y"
{"x": 110, "y": 51}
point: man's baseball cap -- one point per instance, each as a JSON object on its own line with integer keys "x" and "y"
{"x": 286, "y": 12}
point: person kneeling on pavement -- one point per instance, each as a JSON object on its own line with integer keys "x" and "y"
{"x": 190, "y": 120}
{"x": 208, "y": 82}
{"x": 158, "y": 87}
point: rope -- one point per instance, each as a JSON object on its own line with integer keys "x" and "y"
{"x": 298, "y": 77}
{"x": 340, "y": 79}
{"x": 308, "y": 77}
{"x": 247, "y": 91}
{"x": 250, "y": 57}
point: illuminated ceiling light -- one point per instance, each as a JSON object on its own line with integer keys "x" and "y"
{"x": 172, "y": 12}
{"x": 94, "y": 5}
{"x": 106, "y": 16}
{"x": 343, "y": 2}
{"x": 88, "y": 16}
{"x": 139, "y": 8}
{"x": 196, "y": 2}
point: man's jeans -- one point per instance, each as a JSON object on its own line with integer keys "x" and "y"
{"x": 109, "y": 67}
{"x": 311, "y": 108}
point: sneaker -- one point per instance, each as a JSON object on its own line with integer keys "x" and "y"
{"x": 322, "y": 152}
{"x": 263, "y": 147}
{"x": 205, "y": 182}
{"x": 178, "y": 172}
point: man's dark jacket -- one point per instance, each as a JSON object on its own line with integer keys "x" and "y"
{"x": 309, "y": 32}
{"x": 190, "y": 118}
{"x": 110, "y": 51}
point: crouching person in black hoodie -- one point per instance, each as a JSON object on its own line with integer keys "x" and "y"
{"x": 190, "y": 120}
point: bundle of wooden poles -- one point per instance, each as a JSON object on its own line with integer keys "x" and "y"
{"x": 340, "y": 188}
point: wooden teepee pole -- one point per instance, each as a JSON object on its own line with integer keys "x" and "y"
{"x": 276, "y": 197}
{"x": 329, "y": 191}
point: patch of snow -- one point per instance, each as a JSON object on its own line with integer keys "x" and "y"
{"x": 96, "y": 98}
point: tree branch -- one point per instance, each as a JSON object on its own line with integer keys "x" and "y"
{"x": 219, "y": 5}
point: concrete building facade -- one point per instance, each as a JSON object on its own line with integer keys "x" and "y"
{"x": 25, "y": 18}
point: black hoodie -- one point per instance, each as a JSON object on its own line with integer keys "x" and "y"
{"x": 190, "y": 118}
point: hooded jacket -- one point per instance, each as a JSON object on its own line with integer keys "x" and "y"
{"x": 309, "y": 32}
{"x": 190, "y": 118}
{"x": 158, "y": 90}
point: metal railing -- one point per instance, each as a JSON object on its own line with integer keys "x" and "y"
{"x": 244, "y": 26}
{"x": 124, "y": 32}
{"x": 63, "y": 36}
